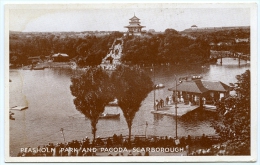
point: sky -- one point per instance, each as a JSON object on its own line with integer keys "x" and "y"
{"x": 113, "y": 17}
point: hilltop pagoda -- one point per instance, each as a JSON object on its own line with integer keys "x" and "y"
{"x": 134, "y": 27}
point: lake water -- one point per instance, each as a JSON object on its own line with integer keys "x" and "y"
{"x": 47, "y": 94}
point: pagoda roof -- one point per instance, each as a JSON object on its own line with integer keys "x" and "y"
{"x": 134, "y": 26}
{"x": 134, "y": 17}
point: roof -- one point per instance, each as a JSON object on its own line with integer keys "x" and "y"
{"x": 194, "y": 26}
{"x": 216, "y": 86}
{"x": 134, "y": 26}
{"x": 134, "y": 17}
{"x": 60, "y": 55}
{"x": 190, "y": 86}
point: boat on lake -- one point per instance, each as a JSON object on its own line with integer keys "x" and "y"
{"x": 19, "y": 108}
{"x": 158, "y": 86}
{"x": 113, "y": 103}
{"x": 196, "y": 77}
{"x": 38, "y": 68}
{"x": 109, "y": 115}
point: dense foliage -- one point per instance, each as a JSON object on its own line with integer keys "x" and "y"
{"x": 92, "y": 91}
{"x": 225, "y": 39}
{"x": 95, "y": 88}
{"x": 235, "y": 115}
{"x": 84, "y": 49}
{"x": 169, "y": 47}
{"x": 131, "y": 87}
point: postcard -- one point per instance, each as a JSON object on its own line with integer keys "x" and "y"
{"x": 131, "y": 82}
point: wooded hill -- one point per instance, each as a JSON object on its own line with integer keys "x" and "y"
{"x": 168, "y": 47}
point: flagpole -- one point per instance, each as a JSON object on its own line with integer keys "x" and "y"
{"x": 62, "y": 134}
{"x": 176, "y": 106}
{"x": 146, "y": 125}
{"x": 154, "y": 90}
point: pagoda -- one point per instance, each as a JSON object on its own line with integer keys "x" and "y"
{"x": 134, "y": 27}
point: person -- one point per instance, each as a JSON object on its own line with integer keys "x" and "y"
{"x": 167, "y": 100}
{"x": 157, "y": 104}
{"x": 182, "y": 100}
{"x": 99, "y": 141}
{"x": 115, "y": 139}
{"x": 170, "y": 100}
{"x": 161, "y": 103}
{"x": 204, "y": 100}
{"x": 173, "y": 98}
{"x": 120, "y": 139}
{"x": 188, "y": 149}
{"x": 109, "y": 142}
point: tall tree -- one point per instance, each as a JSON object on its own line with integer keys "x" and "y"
{"x": 131, "y": 87}
{"x": 92, "y": 91}
{"x": 235, "y": 115}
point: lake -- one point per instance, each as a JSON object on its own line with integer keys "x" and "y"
{"x": 47, "y": 94}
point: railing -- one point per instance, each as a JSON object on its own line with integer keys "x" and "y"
{"x": 232, "y": 55}
{"x": 149, "y": 137}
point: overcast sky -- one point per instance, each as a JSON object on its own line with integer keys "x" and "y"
{"x": 113, "y": 17}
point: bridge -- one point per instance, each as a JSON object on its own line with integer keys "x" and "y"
{"x": 227, "y": 54}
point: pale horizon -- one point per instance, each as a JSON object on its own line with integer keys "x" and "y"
{"x": 114, "y": 17}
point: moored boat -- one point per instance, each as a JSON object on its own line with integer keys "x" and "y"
{"x": 158, "y": 86}
{"x": 19, "y": 108}
{"x": 196, "y": 77}
{"x": 109, "y": 115}
{"x": 38, "y": 68}
{"x": 113, "y": 103}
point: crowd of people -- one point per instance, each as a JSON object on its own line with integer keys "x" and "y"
{"x": 85, "y": 147}
{"x": 171, "y": 99}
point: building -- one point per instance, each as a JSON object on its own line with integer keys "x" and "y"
{"x": 198, "y": 91}
{"x": 134, "y": 27}
{"x": 35, "y": 59}
{"x": 60, "y": 57}
{"x": 216, "y": 90}
{"x": 194, "y": 27}
{"x": 151, "y": 31}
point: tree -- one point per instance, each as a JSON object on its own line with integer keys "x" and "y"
{"x": 131, "y": 87}
{"x": 92, "y": 92}
{"x": 171, "y": 31}
{"x": 234, "y": 113}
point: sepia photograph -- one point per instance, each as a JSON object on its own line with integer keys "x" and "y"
{"x": 131, "y": 82}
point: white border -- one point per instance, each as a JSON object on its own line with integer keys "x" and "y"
{"x": 150, "y": 158}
